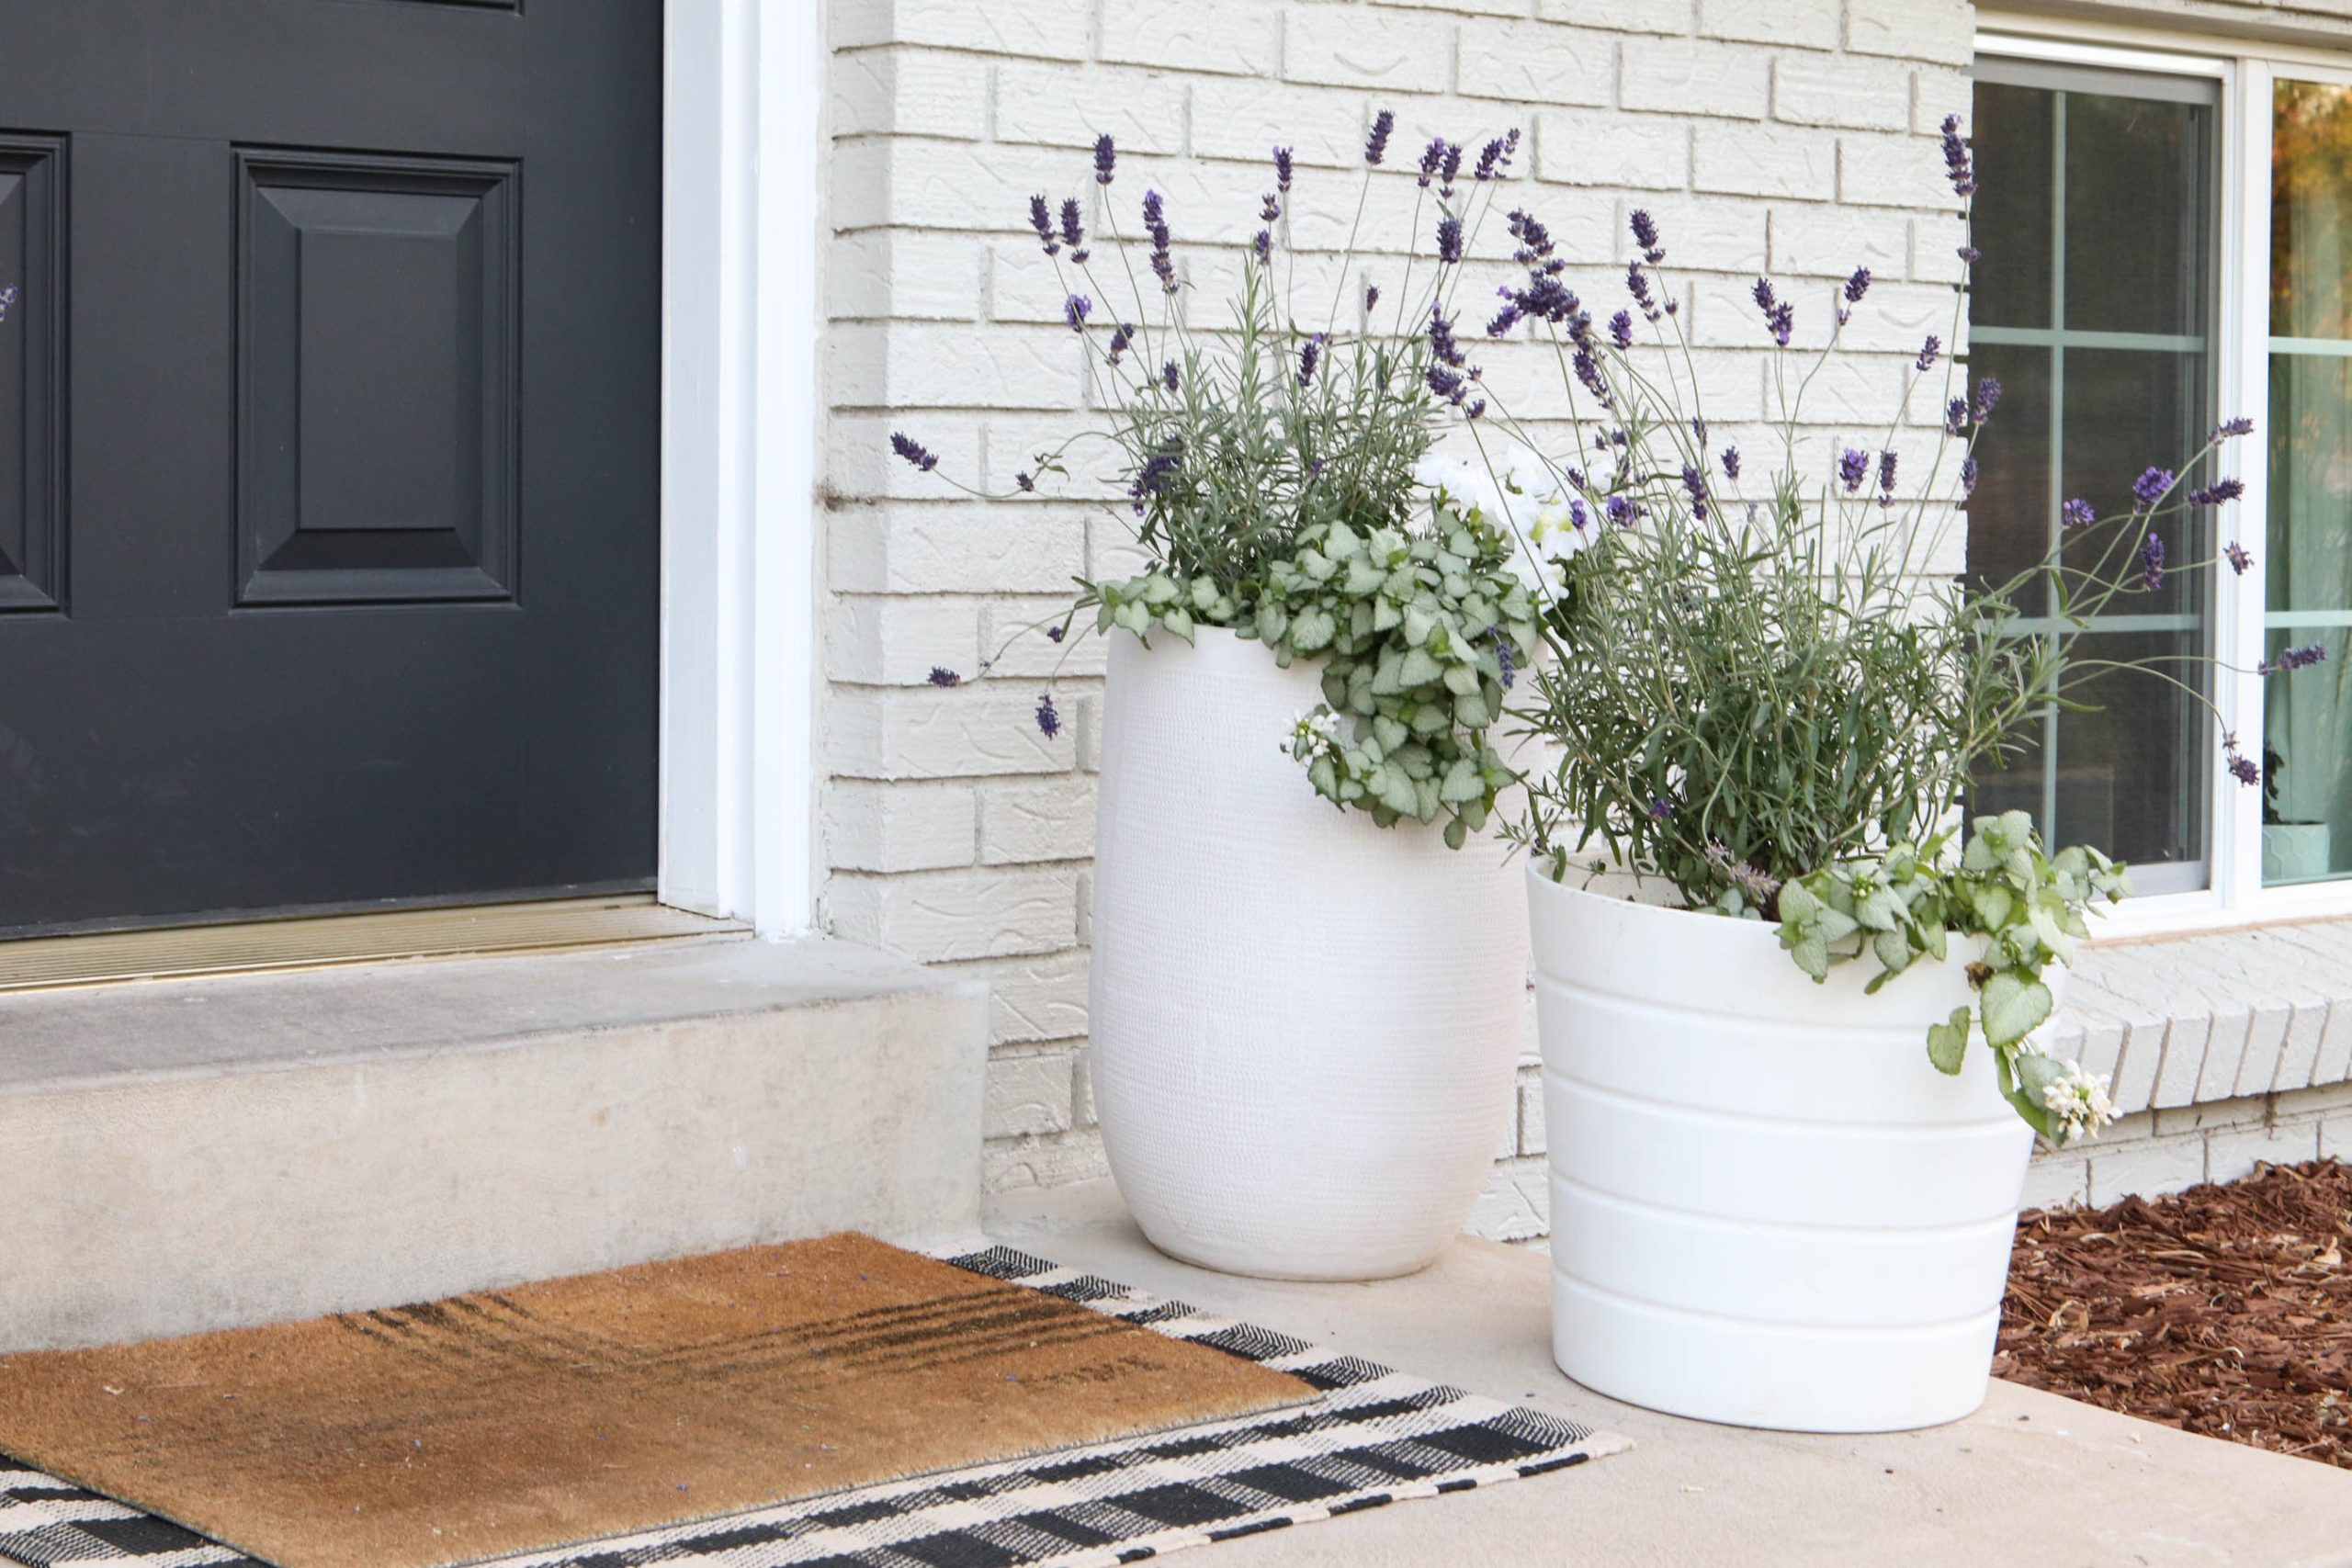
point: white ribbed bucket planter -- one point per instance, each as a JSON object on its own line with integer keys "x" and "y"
{"x": 1767, "y": 1208}
{"x": 1303, "y": 1027}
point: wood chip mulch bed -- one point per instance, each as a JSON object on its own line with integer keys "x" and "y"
{"x": 2224, "y": 1309}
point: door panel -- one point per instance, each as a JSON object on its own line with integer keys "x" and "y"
{"x": 328, "y": 416}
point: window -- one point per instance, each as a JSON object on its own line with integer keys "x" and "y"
{"x": 2166, "y": 239}
{"x": 2307, "y": 724}
{"x": 2093, "y": 306}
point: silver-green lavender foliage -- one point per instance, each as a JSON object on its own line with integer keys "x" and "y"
{"x": 1763, "y": 695}
{"x": 1267, "y": 469}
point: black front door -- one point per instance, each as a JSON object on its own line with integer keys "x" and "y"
{"x": 329, "y": 452}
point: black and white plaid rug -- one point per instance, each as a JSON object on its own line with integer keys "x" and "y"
{"x": 1373, "y": 1437}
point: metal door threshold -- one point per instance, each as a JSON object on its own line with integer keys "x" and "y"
{"x": 33, "y": 962}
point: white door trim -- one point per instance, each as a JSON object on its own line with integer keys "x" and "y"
{"x": 741, "y": 201}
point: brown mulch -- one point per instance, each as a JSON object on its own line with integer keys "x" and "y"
{"x": 2224, "y": 1309}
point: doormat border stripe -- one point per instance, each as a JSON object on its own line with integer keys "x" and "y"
{"x": 1373, "y": 1436}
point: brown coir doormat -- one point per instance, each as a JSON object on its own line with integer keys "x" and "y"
{"x": 2224, "y": 1309}
{"x": 549, "y": 1414}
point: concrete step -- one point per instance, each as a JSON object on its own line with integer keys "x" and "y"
{"x": 184, "y": 1156}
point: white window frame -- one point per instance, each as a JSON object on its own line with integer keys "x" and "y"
{"x": 2244, "y": 69}
{"x": 742, "y": 203}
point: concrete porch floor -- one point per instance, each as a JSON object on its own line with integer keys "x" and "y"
{"x": 2030, "y": 1480}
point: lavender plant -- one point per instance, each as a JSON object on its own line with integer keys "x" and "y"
{"x": 1774, "y": 703}
{"x": 1271, "y": 469}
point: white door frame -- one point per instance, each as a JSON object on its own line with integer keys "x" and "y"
{"x": 742, "y": 171}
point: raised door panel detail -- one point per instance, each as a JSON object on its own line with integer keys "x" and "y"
{"x": 32, "y": 272}
{"x": 377, "y": 380}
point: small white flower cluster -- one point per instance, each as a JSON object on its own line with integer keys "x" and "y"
{"x": 1315, "y": 734}
{"x": 2078, "y": 1102}
{"x": 1530, "y": 503}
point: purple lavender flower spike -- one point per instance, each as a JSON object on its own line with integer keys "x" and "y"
{"x": 2150, "y": 487}
{"x": 1475, "y": 409}
{"x": 1957, "y": 165}
{"x": 1969, "y": 254}
{"x": 1449, "y": 239}
{"x": 1968, "y": 476}
{"x": 1105, "y": 155}
{"x": 1121, "y": 335}
{"x": 1263, "y": 247}
{"x": 1376, "y": 146}
{"x": 1956, "y": 417}
{"x": 1928, "y": 351}
{"x": 1450, "y": 170}
{"x": 10, "y": 295}
{"x": 1587, "y": 371}
{"x": 912, "y": 451}
{"x": 1637, "y": 284}
{"x": 1660, "y": 808}
{"x": 1042, "y": 221}
{"x": 2242, "y": 768}
{"x": 2237, "y": 556}
{"x": 1494, "y": 158}
{"x": 1503, "y": 656}
{"x": 1282, "y": 169}
{"x": 1432, "y": 159}
{"x": 1075, "y": 310}
{"x": 1443, "y": 345}
{"x": 1308, "y": 355}
{"x": 1621, "y": 328}
{"x": 1885, "y": 477}
{"x": 1853, "y": 468}
{"x": 1988, "y": 398}
{"x": 1858, "y": 285}
{"x": 1049, "y": 723}
{"x": 1504, "y": 319}
{"x": 1056, "y": 634}
{"x": 1172, "y": 377}
{"x": 1024, "y": 480}
{"x": 1694, "y": 484}
{"x": 1645, "y": 235}
{"x": 2302, "y": 657}
{"x": 2238, "y": 426}
{"x": 2217, "y": 493}
{"x": 2077, "y": 513}
{"x": 1446, "y": 384}
{"x": 1155, "y": 222}
{"x": 2152, "y": 561}
{"x": 1269, "y": 208}
{"x": 1731, "y": 463}
{"x": 1621, "y": 511}
{"x": 942, "y": 676}
{"x": 1534, "y": 242}
{"x": 1371, "y": 296}
{"x": 1763, "y": 295}
{"x": 1073, "y": 230}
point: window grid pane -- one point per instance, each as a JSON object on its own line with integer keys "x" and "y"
{"x": 2108, "y": 354}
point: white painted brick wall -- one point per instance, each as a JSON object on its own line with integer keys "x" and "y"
{"x": 1795, "y": 133}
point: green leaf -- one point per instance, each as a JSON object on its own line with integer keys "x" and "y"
{"x": 1948, "y": 1041}
{"x": 2013, "y": 1003}
{"x": 1312, "y": 629}
{"x": 1798, "y": 903}
{"x": 1457, "y": 833}
{"x": 1418, "y": 668}
{"x": 1418, "y": 624}
{"x": 1462, "y": 782}
{"x": 1811, "y": 953}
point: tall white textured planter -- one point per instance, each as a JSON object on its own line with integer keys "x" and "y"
{"x": 1305, "y": 1027}
{"x": 1767, "y": 1208}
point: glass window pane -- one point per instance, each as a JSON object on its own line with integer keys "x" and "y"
{"x": 2310, "y": 211}
{"x": 2307, "y": 718}
{"x": 2105, "y": 361}
{"x": 2137, "y": 235}
{"x": 2013, "y": 137}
